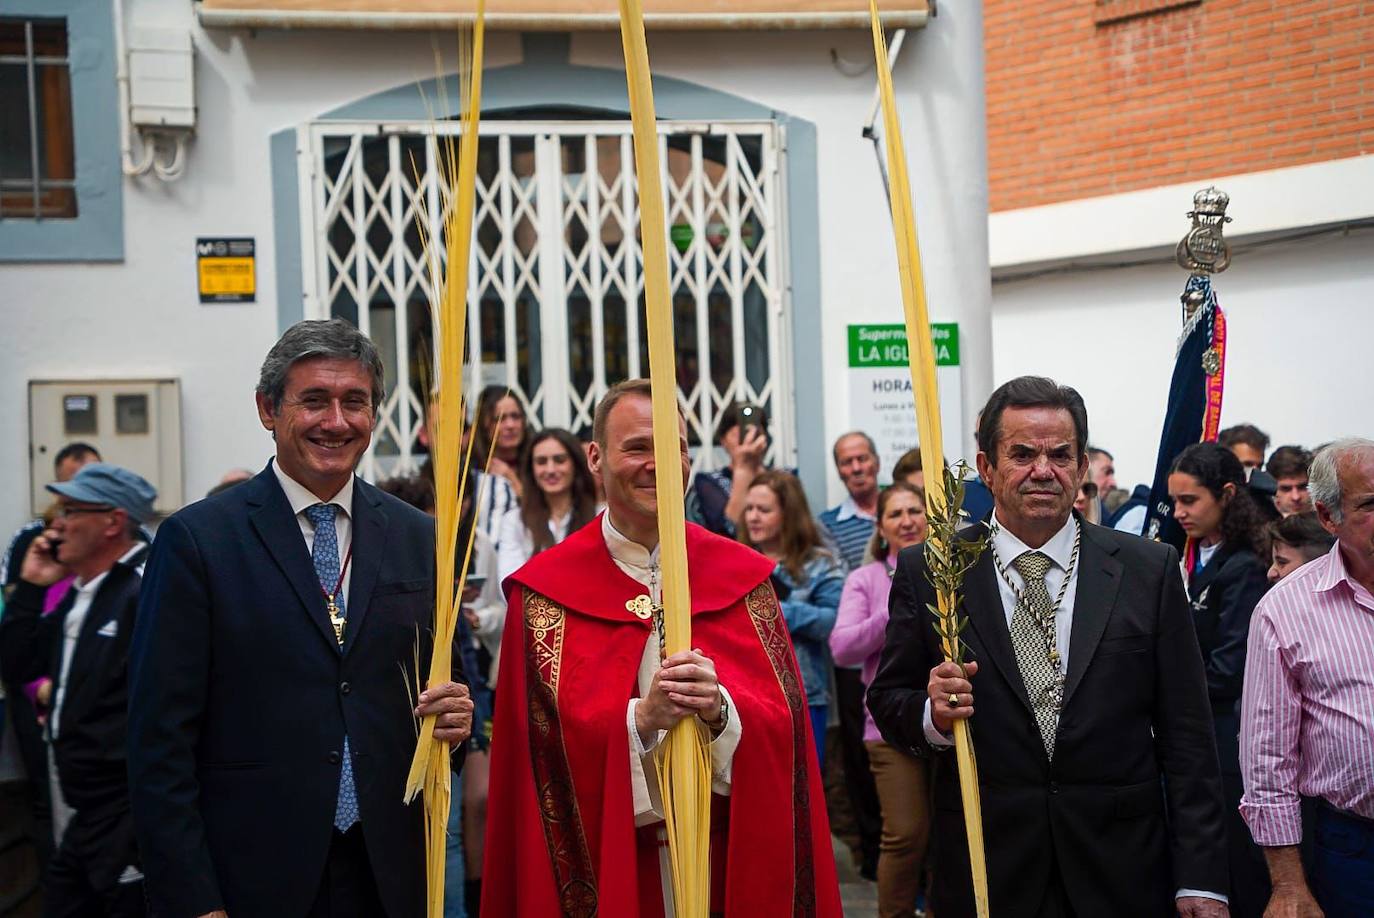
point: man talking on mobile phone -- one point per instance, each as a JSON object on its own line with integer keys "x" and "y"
{"x": 83, "y": 647}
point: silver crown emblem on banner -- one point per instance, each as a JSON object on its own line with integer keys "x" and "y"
{"x": 1205, "y": 250}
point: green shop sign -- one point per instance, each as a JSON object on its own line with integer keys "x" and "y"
{"x": 885, "y": 345}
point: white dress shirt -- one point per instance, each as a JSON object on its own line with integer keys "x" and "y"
{"x": 1059, "y": 549}
{"x": 300, "y": 498}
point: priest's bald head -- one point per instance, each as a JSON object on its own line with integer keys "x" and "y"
{"x": 622, "y": 457}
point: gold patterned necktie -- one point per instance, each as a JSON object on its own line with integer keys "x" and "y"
{"x": 1028, "y": 640}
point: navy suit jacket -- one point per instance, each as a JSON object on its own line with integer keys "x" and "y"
{"x": 240, "y": 699}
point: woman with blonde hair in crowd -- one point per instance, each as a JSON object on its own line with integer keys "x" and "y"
{"x": 808, "y": 580}
{"x": 858, "y": 641}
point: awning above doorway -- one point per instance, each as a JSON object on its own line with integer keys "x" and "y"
{"x": 558, "y": 15}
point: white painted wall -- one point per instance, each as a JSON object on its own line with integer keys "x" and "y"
{"x": 1297, "y": 308}
{"x": 141, "y": 318}
{"x": 1271, "y": 201}
{"x": 1298, "y": 361}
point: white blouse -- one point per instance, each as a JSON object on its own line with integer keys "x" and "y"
{"x": 515, "y": 544}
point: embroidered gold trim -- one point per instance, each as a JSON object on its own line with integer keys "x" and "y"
{"x": 544, "y": 624}
{"x": 559, "y": 815}
{"x": 765, "y": 613}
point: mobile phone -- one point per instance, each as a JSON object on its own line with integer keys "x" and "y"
{"x": 475, "y": 583}
{"x": 54, "y": 544}
{"x": 750, "y": 416}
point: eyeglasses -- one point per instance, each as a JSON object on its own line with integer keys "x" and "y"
{"x": 65, "y": 511}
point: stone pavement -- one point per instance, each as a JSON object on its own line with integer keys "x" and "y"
{"x": 860, "y": 897}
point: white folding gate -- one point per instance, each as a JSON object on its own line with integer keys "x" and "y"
{"x": 556, "y": 299}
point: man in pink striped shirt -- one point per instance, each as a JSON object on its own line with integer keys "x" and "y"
{"x": 1307, "y": 715}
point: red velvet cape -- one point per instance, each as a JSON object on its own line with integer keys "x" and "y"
{"x": 560, "y": 823}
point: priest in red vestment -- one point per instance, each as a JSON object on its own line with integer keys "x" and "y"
{"x": 575, "y": 817}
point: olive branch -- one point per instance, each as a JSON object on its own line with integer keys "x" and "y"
{"x": 948, "y": 559}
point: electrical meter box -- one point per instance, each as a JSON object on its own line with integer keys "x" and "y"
{"x": 162, "y": 87}
{"x": 135, "y": 423}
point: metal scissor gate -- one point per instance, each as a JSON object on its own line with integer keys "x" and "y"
{"x": 555, "y": 306}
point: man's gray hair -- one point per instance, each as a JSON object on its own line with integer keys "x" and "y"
{"x": 872, "y": 447}
{"x": 333, "y": 338}
{"x": 1324, "y": 477}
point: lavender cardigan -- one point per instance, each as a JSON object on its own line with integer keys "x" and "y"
{"x": 857, "y": 638}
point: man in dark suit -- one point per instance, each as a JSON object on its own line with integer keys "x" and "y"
{"x": 83, "y": 647}
{"x": 1097, "y": 766}
{"x": 283, "y": 628}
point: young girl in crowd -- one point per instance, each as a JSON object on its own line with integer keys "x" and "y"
{"x": 1213, "y": 505}
{"x": 560, "y": 497}
{"x": 858, "y": 641}
{"x": 808, "y": 580}
{"x": 1295, "y": 540}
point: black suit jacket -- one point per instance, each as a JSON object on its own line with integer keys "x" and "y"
{"x": 1223, "y": 595}
{"x": 240, "y": 700}
{"x": 1130, "y": 809}
{"x": 90, "y": 747}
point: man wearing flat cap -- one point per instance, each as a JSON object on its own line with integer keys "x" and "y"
{"x": 83, "y": 647}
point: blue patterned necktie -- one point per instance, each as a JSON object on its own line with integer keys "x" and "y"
{"x": 326, "y": 557}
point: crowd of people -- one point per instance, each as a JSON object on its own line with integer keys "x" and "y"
{"x": 179, "y": 740}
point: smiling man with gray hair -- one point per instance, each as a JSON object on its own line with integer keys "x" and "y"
{"x": 1307, "y": 725}
{"x": 282, "y": 630}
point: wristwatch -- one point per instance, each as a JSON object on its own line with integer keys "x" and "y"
{"x": 718, "y": 725}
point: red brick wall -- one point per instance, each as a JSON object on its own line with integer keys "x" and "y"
{"x": 1081, "y": 105}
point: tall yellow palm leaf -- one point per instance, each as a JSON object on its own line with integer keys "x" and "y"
{"x": 940, "y": 547}
{"x": 447, "y": 260}
{"x": 684, "y": 766}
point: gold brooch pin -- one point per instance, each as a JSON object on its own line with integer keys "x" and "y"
{"x": 642, "y": 607}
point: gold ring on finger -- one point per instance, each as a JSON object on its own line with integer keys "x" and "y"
{"x": 953, "y": 700}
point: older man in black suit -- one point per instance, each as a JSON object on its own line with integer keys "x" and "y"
{"x": 270, "y": 721}
{"x": 1097, "y": 767}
